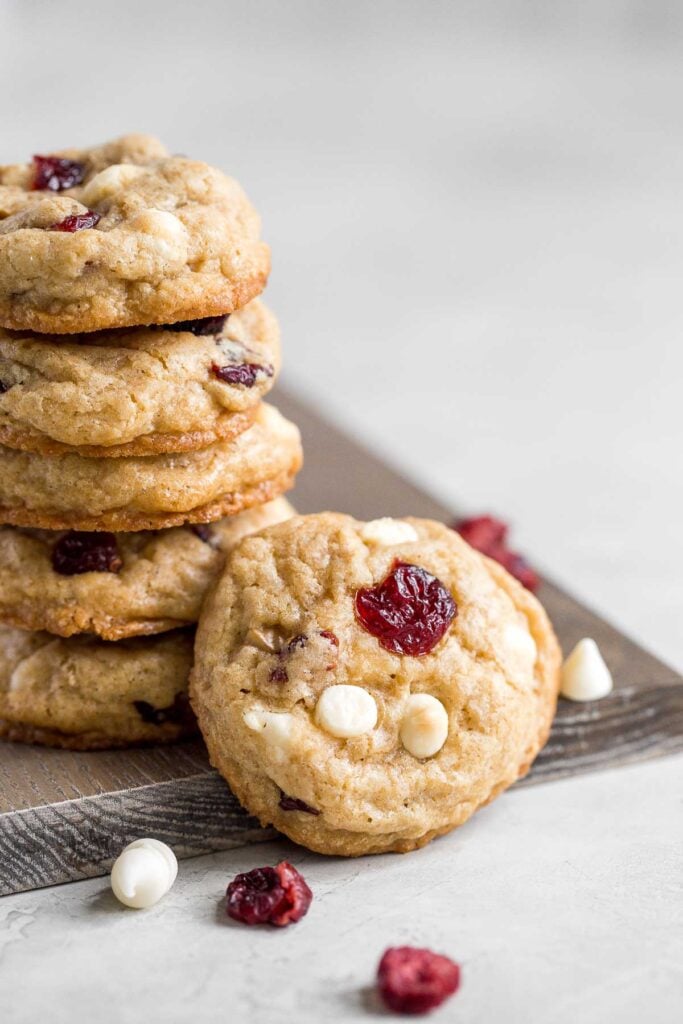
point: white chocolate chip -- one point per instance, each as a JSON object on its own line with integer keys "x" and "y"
{"x": 110, "y": 181}
{"x": 585, "y": 675}
{"x": 387, "y": 532}
{"x": 276, "y": 726}
{"x": 143, "y": 872}
{"x": 520, "y": 644}
{"x": 346, "y": 711}
{"x": 164, "y": 228}
{"x": 424, "y": 727}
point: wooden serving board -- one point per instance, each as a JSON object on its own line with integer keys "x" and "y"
{"x": 65, "y": 816}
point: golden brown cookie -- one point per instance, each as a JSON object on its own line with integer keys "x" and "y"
{"x": 123, "y": 234}
{"x": 366, "y": 687}
{"x": 143, "y": 391}
{"x": 153, "y": 492}
{"x": 87, "y": 694}
{"x": 118, "y": 585}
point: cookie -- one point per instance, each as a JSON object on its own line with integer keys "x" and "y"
{"x": 151, "y": 492}
{"x": 137, "y": 392}
{"x": 124, "y": 234}
{"x": 87, "y": 694}
{"x": 118, "y": 585}
{"x": 366, "y": 687}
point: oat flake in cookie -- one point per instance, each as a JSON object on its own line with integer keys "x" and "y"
{"x": 143, "y": 391}
{"x": 360, "y": 706}
{"x": 123, "y": 234}
{"x": 87, "y": 694}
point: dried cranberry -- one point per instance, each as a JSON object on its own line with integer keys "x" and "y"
{"x": 329, "y": 635}
{"x": 77, "y": 222}
{"x": 268, "y": 895}
{"x": 489, "y": 535}
{"x": 298, "y": 896}
{"x": 291, "y": 803}
{"x": 56, "y": 173}
{"x": 297, "y": 643}
{"x": 254, "y": 896}
{"x": 202, "y": 530}
{"x": 77, "y": 552}
{"x": 179, "y": 712}
{"x": 279, "y": 674}
{"x": 244, "y": 374}
{"x": 207, "y": 325}
{"x": 408, "y": 612}
{"x": 414, "y": 981}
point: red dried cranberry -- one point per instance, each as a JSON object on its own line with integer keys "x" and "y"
{"x": 268, "y": 895}
{"x": 244, "y": 374}
{"x": 77, "y": 222}
{"x": 279, "y": 674}
{"x": 298, "y": 896}
{"x": 408, "y": 612}
{"x": 291, "y": 803}
{"x": 489, "y": 535}
{"x": 207, "y": 325}
{"x": 202, "y": 530}
{"x": 254, "y": 896}
{"x": 414, "y": 981}
{"x": 329, "y": 635}
{"x": 76, "y": 552}
{"x": 56, "y": 173}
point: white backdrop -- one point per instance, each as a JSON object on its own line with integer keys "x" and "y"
{"x": 477, "y": 225}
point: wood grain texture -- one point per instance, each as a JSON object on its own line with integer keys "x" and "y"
{"x": 65, "y": 816}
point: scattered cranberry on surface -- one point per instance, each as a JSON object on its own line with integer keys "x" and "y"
{"x": 408, "y": 612}
{"x": 489, "y": 535}
{"x": 291, "y": 803}
{"x": 77, "y": 552}
{"x": 268, "y": 895}
{"x": 205, "y": 326}
{"x": 414, "y": 981}
{"x": 77, "y": 222}
{"x": 244, "y": 374}
{"x": 56, "y": 173}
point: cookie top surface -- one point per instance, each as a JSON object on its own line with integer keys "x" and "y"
{"x": 173, "y": 239}
{"x": 153, "y": 492}
{"x": 140, "y": 391}
{"x": 118, "y": 585}
{"x": 317, "y": 720}
{"x": 87, "y": 694}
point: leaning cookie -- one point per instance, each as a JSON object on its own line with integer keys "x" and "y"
{"x": 366, "y": 687}
{"x": 87, "y": 694}
{"x": 137, "y": 392}
{"x": 118, "y": 585}
{"x": 153, "y": 492}
{"x": 123, "y": 234}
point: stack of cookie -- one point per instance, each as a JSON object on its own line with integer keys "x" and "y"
{"x": 131, "y": 457}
